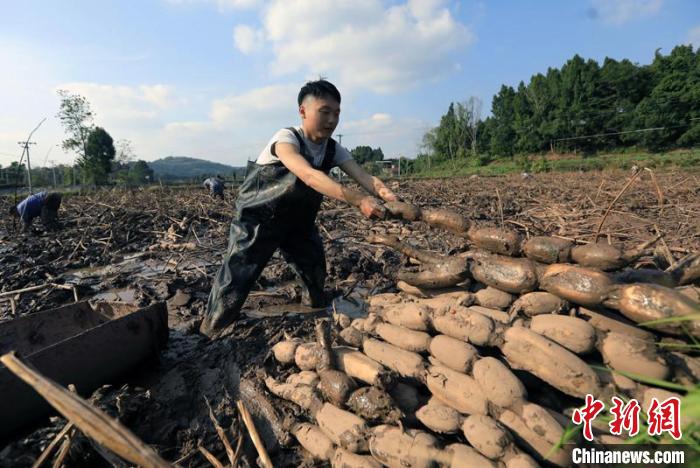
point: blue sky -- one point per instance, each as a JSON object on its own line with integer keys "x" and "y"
{"x": 216, "y": 78}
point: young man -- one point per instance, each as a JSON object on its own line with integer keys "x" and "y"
{"x": 44, "y": 204}
{"x": 215, "y": 186}
{"x": 277, "y": 205}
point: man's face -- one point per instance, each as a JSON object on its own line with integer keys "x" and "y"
{"x": 320, "y": 117}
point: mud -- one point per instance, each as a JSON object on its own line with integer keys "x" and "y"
{"x": 165, "y": 244}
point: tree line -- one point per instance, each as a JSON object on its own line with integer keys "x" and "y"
{"x": 582, "y": 107}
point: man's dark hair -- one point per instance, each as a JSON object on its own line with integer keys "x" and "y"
{"x": 320, "y": 89}
{"x": 13, "y": 210}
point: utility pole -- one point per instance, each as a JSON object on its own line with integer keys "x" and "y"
{"x": 25, "y": 149}
{"x": 25, "y": 144}
{"x": 340, "y": 138}
{"x": 53, "y": 169}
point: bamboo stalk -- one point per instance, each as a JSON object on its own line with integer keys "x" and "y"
{"x": 50, "y": 448}
{"x": 92, "y": 421}
{"x": 222, "y": 434}
{"x": 250, "y": 425}
{"x": 210, "y": 457}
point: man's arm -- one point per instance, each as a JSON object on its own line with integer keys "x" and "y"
{"x": 368, "y": 182}
{"x": 289, "y": 155}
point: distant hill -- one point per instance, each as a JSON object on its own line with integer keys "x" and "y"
{"x": 183, "y": 167}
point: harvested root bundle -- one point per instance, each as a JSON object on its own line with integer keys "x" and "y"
{"x": 436, "y": 276}
{"x": 439, "y": 418}
{"x": 395, "y": 448}
{"x": 405, "y": 363}
{"x": 576, "y": 284}
{"x": 493, "y": 298}
{"x": 539, "y": 302}
{"x": 373, "y": 404}
{"x": 498, "y": 383}
{"x": 604, "y": 322}
{"x": 404, "y": 248}
{"x": 463, "y": 456}
{"x": 647, "y": 302}
{"x": 633, "y": 355}
{"x": 402, "y": 210}
{"x": 314, "y": 440}
{"x": 537, "y": 443}
{"x": 464, "y": 324}
{"x": 447, "y": 220}
{"x": 352, "y": 337}
{"x": 343, "y": 428}
{"x": 527, "y": 350}
{"x": 456, "y": 390}
{"x": 344, "y": 459}
{"x": 404, "y": 338}
{"x": 514, "y": 275}
{"x": 572, "y": 333}
{"x": 500, "y": 241}
{"x": 336, "y": 386}
{"x": 606, "y": 257}
{"x": 299, "y": 394}
{"x": 487, "y": 436}
{"x": 494, "y": 314}
{"x": 415, "y": 291}
{"x": 359, "y": 366}
{"x": 307, "y": 356}
{"x": 548, "y": 249}
{"x": 411, "y": 315}
{"x": 438, "y": 272}
{"x": 309, "y": 378}
{"x": 284, "y": 350}
{"x": 453, "y": 353}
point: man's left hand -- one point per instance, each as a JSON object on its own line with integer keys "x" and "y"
{"x": 387, "y": 195}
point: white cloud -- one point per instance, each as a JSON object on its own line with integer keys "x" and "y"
{"x": 694, "y": 37}
{"x": 248, "y": 39}
{"x": 622, "y": 11}
{"x": 363, "y": 43}
{"x": 122, "y": 104}
{"x": 269, "y": 103}
{"x": 396, "y": 137}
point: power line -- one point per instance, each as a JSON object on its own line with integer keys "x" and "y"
{"x": 642, "y": 130}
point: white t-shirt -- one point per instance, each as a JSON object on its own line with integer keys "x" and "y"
{"x": 316, "y": 151}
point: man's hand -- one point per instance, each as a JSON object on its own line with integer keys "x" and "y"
{"x": 386, "y": 194}
{"x": 371, "y": 208}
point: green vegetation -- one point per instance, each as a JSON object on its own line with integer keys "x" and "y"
{"x": 184, "y": 168}
{"x": 562, "y": 163}
{"x": 583, "y": 108}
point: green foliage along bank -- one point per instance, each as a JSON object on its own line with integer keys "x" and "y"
{"x": 584, "y": 108}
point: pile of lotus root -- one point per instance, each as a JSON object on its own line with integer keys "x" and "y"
{"x": 439, "y": 373}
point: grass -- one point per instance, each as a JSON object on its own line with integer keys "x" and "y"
{"x": 565, "y": 163}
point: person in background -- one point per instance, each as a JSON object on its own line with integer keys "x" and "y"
{"x": 215, "y": 186}
{"x": 42, "y": 204}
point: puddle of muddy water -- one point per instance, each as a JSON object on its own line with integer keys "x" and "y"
{"x": 117, "y": 295}
{"x": 353, "y": 305}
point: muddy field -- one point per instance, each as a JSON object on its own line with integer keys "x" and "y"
{"x": 163, "y": 244}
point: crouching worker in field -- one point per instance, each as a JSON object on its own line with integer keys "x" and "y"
{"x": 215, "y": 186}
{"x": 277, "y": 205}
{"x": 42, "y": 204}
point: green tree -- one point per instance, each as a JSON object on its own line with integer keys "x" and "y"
{"x": 77, "y": 120}
{"x": 99, "y": 154}
{"x": 503, "y": 133}
{"x": 365, "y": 154}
